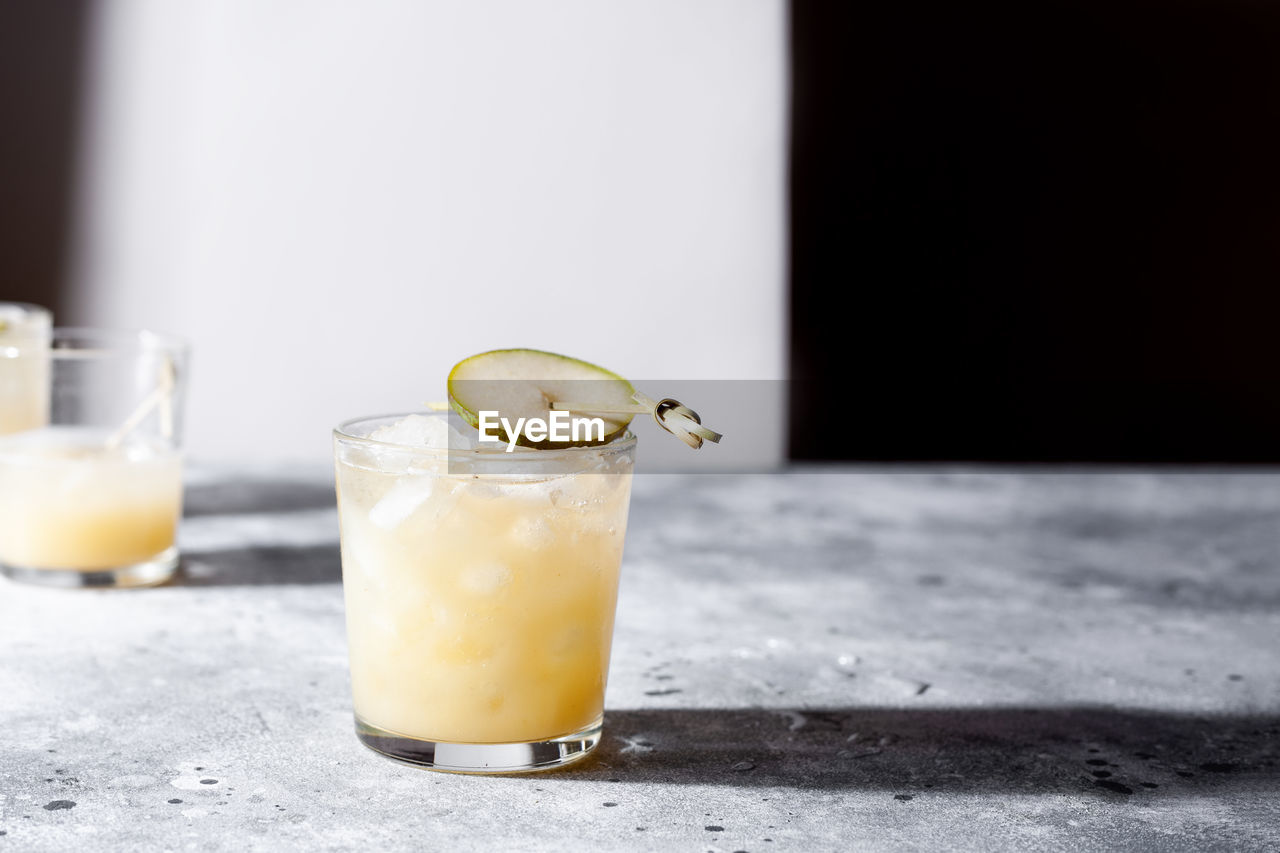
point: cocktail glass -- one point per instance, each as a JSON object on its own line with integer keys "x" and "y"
{"x": 480, "y": 593}
{"x": 24, "y": 366}
{"x": 93, "y": 498}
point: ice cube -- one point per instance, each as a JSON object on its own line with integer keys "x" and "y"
{"x": 485, "y": 578}
{"x": 401, "y": 501}
{"x": 360, "y": 556}
{"x": 532, "y": 532}
{"x": 415, "y": 431}
{"x": 381, "y": 622}
{"x": 534, "y": 491}
{"x": 582, "y": 491}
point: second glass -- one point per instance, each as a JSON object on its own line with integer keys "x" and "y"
{"x": 93, "y": 498}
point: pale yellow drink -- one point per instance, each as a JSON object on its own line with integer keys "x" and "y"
{"x": 68, "y": 502}
{"x": 24, "y": 367}
{"x": 480, "y": 608}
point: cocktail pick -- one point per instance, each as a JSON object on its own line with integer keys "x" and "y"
{"x": 161, "y": 396}
{"x": 672, "y": 415}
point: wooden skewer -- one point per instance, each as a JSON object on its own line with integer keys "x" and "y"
{"x": 161, "y": 395}
{"x": 168, "y": 380}
{"x": 596, "y": 408}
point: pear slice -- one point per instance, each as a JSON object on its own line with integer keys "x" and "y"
{"x": 524, "y": 383}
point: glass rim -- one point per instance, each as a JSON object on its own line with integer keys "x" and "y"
{"x": 117, "y": 339}
{"x": 83, "y": 342}
{"x": 620, "y": 444}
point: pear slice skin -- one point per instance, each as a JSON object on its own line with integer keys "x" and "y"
{"x": 522, "y": 383}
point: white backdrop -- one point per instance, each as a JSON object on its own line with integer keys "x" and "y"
{"x": 336, "y": 201}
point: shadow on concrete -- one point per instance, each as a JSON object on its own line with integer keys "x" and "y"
{"x": 254, "y": 496}
{"x": 261, "y": 566}
{"x": 1120, "y": 755}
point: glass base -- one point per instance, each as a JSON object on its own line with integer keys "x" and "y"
{"x": 152, "y": 572}
{"x": 480, "y": 757}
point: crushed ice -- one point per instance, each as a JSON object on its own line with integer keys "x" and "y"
{"x": 422, "y": 431}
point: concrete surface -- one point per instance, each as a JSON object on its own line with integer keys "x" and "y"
{"x": 830, "y": 659}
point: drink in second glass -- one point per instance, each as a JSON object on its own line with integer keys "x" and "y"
{"x": 480, "y": 592}
{"x": 93, "y": 498}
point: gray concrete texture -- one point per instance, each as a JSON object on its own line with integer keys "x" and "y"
{"x": 826, "y": 659}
